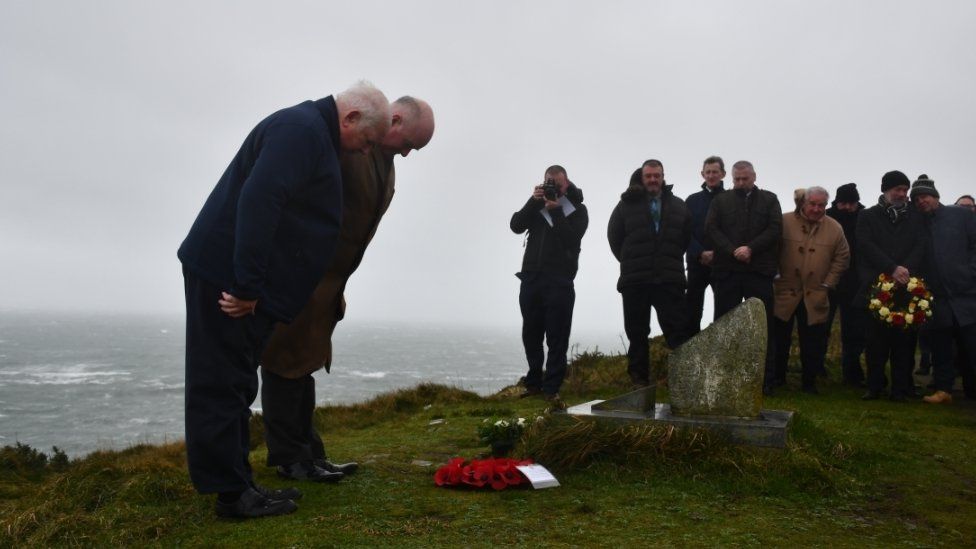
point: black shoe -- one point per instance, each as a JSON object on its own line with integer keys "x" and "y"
{"x": 252, "y": 504}
{"x": 278, "y": 494}
{"x": 530, "y": 392}
{"x": 306, "y": 470}
{"x": 810, "y": 390}
{"x": 344, "y": 468}
{"x": 871, "y": 395}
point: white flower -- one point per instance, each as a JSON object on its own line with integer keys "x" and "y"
{"x": 539, "y": 418}
{"x": 875, "y": 303}
{"x": 501, "y": 423}
{"x": 521, "y": 422}
{"x": 887, "y": 286}
{"x": 884, "y": 312}
{"x": 924, "y": 304}
{"x": 908, "y": 319}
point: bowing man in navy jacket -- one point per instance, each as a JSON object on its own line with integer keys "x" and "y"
{"x": 262, "y": 241}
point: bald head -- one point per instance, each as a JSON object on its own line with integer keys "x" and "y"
{"x": 411, "y": 126}
{"x": 364, "y": 117}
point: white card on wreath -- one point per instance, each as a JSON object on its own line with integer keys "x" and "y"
{"x": 539, "y": 476}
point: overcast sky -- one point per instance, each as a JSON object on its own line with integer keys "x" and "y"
{"x": 119, "y": 117}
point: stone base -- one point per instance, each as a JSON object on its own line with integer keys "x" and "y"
{"x": 769, "y": 429}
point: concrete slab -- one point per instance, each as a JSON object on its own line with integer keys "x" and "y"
{"x": 769, "y": 429}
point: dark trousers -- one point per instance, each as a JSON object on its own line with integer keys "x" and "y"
{"x": 853, "y": 321}
{"x": 731, "y": 288}
{"x": 669, "y": 301}
{"x": 813, "y": 346}
{"x": 699, "y": 277}
{"x": 547, "y": 303}
{"x": 222, "y": 356}
{"x": 942, "y": 357}
{"x": 288, "y": 406}
{"x": 895, "y": 345}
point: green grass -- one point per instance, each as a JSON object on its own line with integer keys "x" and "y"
{"x": 854, "y": 474}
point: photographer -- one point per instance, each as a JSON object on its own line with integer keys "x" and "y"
{"x": 556, "y": 220}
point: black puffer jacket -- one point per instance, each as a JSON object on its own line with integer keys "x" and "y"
{"x": 552, "y": 249}
{"x": 737, "y": 220}
{"x": 646, "y": 256}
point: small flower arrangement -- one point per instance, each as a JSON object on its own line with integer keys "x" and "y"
{"x": 497, "y": 473}
{"x": 496, "y": 431}
{"x": 900, "y": 306}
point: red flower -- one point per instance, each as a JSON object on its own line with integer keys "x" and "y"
{"x": 450, "y": 474}
{"x": 919, "y": 290}
{"x": 919, "y": 316}
{"x": 505, "y": 468}
{"x": 898, "y": 319}
{"x": 478, "y": 473}
{"x": 884, "y": 296}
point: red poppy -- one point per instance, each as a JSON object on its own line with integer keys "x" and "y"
{"x": 505, "y": 468}
{"x": 478, "y": 473}
{"x": 884, "y": 296}
{"x": 898, "y": 319}
{"x": 450, "y": 474}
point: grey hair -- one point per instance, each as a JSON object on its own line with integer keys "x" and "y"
{"x": 816, "y": 190}
{"x": 369, "y": 101}
{"x": 743, "y": 164}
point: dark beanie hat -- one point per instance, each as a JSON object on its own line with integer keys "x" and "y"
{"x": 924, "y": 185}
{"x": 848, "y": 193}
{"x": 894, "y": 179}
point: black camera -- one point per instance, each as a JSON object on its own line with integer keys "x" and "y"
{"x": 549, "y": 189}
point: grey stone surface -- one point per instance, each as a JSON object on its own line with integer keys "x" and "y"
{"x": 639, "y": 401}
{"x": 719, "y": 372}
{"x": 769, "y": 428}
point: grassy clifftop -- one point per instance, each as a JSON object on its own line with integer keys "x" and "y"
{"x": 853, "y": 474}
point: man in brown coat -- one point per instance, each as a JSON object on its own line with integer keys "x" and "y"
{"x": 813, "y": 256}
{"x": 297, "y": 349}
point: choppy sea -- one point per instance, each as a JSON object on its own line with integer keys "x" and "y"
{"x": 85, "y": 382}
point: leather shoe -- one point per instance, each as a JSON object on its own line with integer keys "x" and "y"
{"x": 278, "y": 494}
{"x": 530, "y": 392}
{"x": 939, "y": 397}
{"x": 252, "y": 504}
{"x": 871, "y": 395}
{"x": 306, "y": 470}
{"x": 344, "y": 468}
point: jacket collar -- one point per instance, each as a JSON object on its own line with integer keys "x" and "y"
{"x": 716, "y": 190}
{"x": 330, "y": 113}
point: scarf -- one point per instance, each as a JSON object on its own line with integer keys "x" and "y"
{"x": 895, "y": 213}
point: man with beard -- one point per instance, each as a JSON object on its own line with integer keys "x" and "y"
{"x": 700, "y": 255}
{"x": 744, "y": 227}
{"x": 844, "y": 209}
{"x": 812, "y": 258}
{"x": 298, "y": 349}
{"x": 649, "y": 231}
{"x": 890, "y": 240}
{"x": 950, "y": 271}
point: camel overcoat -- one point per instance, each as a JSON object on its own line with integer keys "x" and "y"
{"x": 305, "y": 345}
{"x": 812, "y": 258}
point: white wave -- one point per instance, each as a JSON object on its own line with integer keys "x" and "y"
{"x": 370, "y": 375}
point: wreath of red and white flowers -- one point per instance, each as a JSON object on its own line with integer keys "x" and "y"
{"x": 498, "y": 473}
{"x": 901, "y": 306}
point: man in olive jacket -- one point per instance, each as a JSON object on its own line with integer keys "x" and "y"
{"x": 556, "y": 221}
{"x": 890, "y": 240}
{"x": 812, "y": 259}
{"x": 950, "y": 271}
{"x": 744, "y": 227}
{"x": 649, "y": 231}
{"x": 297, "y": 349}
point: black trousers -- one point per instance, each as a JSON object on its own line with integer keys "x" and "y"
{"x": 944, "y": 366}
{"x": 853, "y": 322}
{"x": 222, "y": 355}
{"x": 669, "y": 301}
{"x": 546, "y": 301}
{"x": 732, "y": 288}
{"x": 885, "y": 344}
{"x": 288, "y": 406}
{"x": 699, "y": 277}
{"x": 813, "y": 346}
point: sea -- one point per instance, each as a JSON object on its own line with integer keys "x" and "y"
{"x": 100, "y": 381}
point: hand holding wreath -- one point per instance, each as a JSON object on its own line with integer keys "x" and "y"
{"x": 903, "y": 306}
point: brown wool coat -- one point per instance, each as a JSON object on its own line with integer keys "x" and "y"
{"x": 302, "y": 347}
{"x": 812, "y": 258}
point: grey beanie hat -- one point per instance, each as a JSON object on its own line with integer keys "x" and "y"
{"x": 924, "y": 185}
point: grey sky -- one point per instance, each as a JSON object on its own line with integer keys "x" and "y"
{"x": 119, "y": 117}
